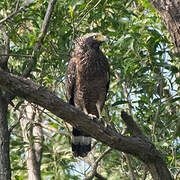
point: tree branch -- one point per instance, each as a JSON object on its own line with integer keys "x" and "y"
{"x": 38, "y": 44}
{"x": 138, "y": 146}
{"x": 131, "y": 125}
{"x": 87, "y": 13}
{"x": 131, "y": 172}
{"x": 51, "y": 129}
{"x": 95, "y": 164}
{"x": 12, "y": 14}
{"x": 17, "y": 55}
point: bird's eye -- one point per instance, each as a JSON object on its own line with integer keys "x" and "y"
{"x": 95, "y": 37}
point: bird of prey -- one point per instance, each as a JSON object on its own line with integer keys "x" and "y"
{"x": 87, "y": 83}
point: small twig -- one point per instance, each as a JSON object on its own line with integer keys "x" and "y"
{"x": 85, "y": 8}
{"x": 131, "y": 172}
{"x": 13, "y": 126}
{"x": 42, "y": 111}
{"x": 87, "y": 13}
{"x": 16, "y": 123}
{"x": 17, "y": 5}
{"x": 95, "y": 164}
{"x": 17, "y": 55}
{"x": 12, "y": 14}
{"x": 72, "y": 37}
{"x": 109, "y": 117}
{"x": 169, "y": 98}
{"x": 57, "y": 51}
{"x": 49, "y": 128}
{"x": 156, "y": 118}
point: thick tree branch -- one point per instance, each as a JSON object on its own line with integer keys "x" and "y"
{"x": 45, "y": 98}
{"x": 138, "y": 146}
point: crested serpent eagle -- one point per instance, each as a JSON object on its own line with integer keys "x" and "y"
{"x": 87, "y": 83}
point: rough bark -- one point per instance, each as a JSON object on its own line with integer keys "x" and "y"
{"x": 5, "y": 170}
{"x": 138, "y": 145}
{"x": 170, "y": 14}
{"x": 5, "y": 173}
{"x": 33, "y": 150}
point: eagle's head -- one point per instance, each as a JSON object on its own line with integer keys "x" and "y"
{"x": 92, "y": 40}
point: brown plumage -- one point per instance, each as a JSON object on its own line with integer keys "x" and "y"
{"x": 87, "y": 83}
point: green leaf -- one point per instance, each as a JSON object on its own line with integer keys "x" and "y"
{"x": 119, "y": 102}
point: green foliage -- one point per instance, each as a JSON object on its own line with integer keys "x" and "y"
{"x": 142, "y": 79}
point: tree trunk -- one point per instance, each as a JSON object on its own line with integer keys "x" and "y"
{"x": 5, "y": 171}
{"x": 34, "y": 150}
{"x": 170, "y": 13}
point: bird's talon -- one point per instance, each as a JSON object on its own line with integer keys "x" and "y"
{"x": 93, "y": 117}
{"x": 102, "y": 121}
{"x": 106, "y": 125}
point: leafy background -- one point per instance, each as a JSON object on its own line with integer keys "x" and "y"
{"x": 143, "y": 81}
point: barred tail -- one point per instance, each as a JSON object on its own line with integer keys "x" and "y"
{"x": 81, "y": 143}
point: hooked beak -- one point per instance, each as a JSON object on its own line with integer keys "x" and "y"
{"x": 100, "y": 38}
